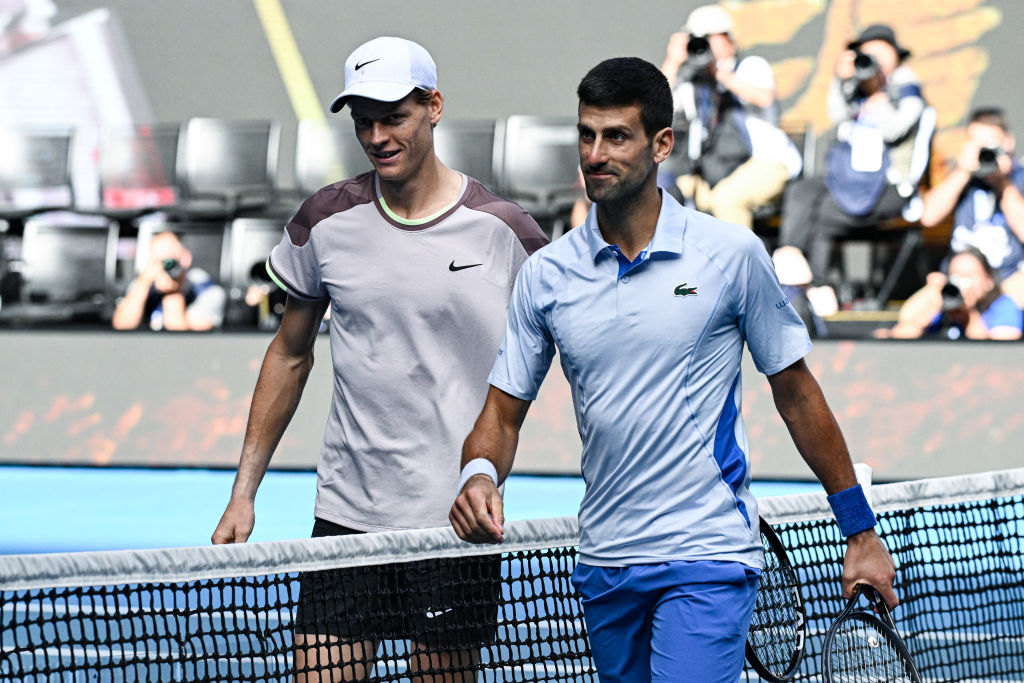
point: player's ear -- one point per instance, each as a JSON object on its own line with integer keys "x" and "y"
{"x": 436, "y": 107}
{"x": 664, "y": 139}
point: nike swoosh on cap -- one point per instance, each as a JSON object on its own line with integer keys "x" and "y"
{"x": 360, "y": 66}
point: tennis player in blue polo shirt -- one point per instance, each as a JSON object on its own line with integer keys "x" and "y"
{"x": 649, "y": 305}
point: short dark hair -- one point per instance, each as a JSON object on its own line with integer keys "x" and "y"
{"x": 991, "y": 116}
{"x": 423, "y": 96}
{"x": 622, "y": 81}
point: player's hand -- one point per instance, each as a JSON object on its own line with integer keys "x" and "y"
{"x": 236, "y": 523}
{"x": 867, "y": 561}
{"x": 478, "y": 512}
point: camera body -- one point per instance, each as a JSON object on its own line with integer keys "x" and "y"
{"x": 699, "y": 59}
{"x": 865, "y": 68}
{"x": 988, "y": 162}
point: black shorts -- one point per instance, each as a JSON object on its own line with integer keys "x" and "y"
{"x": 444, "y": 604}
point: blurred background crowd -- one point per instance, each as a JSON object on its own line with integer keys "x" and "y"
{"x": 148, "y": 168}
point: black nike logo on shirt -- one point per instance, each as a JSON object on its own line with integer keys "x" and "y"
{"x": 360, "y": 66}
{"x": 452, "y": 267}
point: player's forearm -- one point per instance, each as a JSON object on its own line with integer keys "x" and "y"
{"x": 495, "y": 435}
{"x": 813, "y": 427}
{"x": 275, "y": 399}
{"x": 493, "y": 442}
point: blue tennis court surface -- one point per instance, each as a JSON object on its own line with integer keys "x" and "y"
{"x": 58, "y": 509}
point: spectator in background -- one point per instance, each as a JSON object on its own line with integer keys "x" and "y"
{"x": 168, "y": 294}
{"x": 983, "y": 191}
{"x": 968, "y": 303}
{"x": 736, "y": 158}
{"x": 876, "y": 102}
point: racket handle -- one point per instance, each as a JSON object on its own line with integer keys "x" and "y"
{"x": 863, "y": 472}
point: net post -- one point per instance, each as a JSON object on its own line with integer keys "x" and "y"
{"x": 864, "y": 472}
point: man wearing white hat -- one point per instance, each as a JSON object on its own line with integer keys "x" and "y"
{"x": 738, "y": 159}
{"x": 417, "y": 262}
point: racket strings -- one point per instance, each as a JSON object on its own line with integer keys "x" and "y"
{"x": 861, "y": 653}
{"x": 775, "y": 624}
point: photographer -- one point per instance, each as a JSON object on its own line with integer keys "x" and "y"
{"x": 169, "y": 294}
{"x": 734, "y": 158}
{"x": 983, "y": 191}
{"x": 876, "y": 103}
{"x": 967, "y": 304}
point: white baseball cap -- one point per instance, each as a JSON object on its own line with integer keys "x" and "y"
{"x": 386, "y": 69}
{"x": 708, "y": 20}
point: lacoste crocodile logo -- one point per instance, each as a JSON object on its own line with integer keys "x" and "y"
{"x": 683, "y": 290}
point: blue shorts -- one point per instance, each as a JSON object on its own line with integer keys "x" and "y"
{"x": 675, "y": 621}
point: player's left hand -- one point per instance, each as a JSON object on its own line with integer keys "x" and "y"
{"x": 867, "y": 561}
{"x": 478, "y": 512}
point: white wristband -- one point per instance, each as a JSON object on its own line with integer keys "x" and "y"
{"x": 478, "y": 466}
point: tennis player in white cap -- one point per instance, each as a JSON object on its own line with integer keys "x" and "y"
{"x": 417, "y": 262}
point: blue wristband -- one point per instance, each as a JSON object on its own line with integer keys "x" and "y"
{"x": 852, "y": 511}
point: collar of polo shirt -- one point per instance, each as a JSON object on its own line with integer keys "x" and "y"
{"x": 668, "y": 233}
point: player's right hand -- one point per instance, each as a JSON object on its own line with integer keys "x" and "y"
{"x": 478, "y": 512}
{"x": 868, "y": 561}
{"x": 236, "y": 523}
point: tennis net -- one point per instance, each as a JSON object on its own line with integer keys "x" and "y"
{"x": 231, "y": 613}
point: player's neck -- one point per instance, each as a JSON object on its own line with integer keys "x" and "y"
{"x": 430, "y": 190}
{"x": 630, "y": 223}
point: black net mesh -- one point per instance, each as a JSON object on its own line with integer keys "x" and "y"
{"x": 509, "y": 617}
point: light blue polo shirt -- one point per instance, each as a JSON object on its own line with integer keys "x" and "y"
{"x": 652, "y": 353}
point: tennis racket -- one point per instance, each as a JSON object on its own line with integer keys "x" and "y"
{"x": 775, "y": 642}
{"x": 860, "y": 646}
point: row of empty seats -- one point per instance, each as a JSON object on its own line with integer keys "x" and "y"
{"x": 215, "y": 182}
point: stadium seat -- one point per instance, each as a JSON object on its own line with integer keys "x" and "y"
{"x": 137, "y": 171}
{"x": 35, "y": 178}
{"x": 35, "y": 173}
{"x": 251, "y": 241}
{"x": 65, "y": 270}
{"x": 225, "y": 167}
{"x": 326, "y": 151}
{"x": 540, "y": 166}
{"x": 473, "y": 147}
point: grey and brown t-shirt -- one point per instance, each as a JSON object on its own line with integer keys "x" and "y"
{"x": 417, "y": 316}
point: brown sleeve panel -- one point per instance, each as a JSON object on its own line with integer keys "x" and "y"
{"x": 514, "y": 216}
{"x": 340, "y": 196}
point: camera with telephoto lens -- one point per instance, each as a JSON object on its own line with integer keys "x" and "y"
{"x": 988, "y": 162}
{"x": 865, "y": 67}
{"x": 172, "y": 267}
{"x": 698, "y": 59}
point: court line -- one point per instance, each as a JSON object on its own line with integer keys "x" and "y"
{"x": 289, "y": 60}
